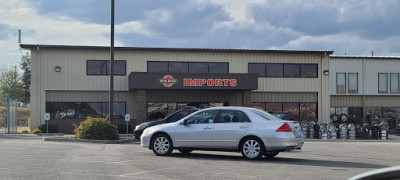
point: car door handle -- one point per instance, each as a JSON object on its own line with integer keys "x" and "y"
{"x": 206, "y": 128}
{"x": 243, "y": 127}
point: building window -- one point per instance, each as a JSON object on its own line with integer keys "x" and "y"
{"x": 291, "y": 70}
{"x": 102, "y": 67}
{"x": 353, "y": 83}
{"x": 198, "y": 67}
{"x": 309, "y": 70}
{"x": 178, "y": 67}
{"x": 394, "y": 83}
{"x": 187, "y": 67}
{"x": 274, "y": 70}
{"x": 257, "y": 68}
{"x": 157, "y": 66}
{"x": 382, "y": 82}
{"x": 218, "y": 67}
{"x": 341, "y": 83}
{"x": 300, "y": 111}
{"x": 83, "y": 110}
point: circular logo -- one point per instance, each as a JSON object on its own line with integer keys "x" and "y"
{"x": 168, "y": 81}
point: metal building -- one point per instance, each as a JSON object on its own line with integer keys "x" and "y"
{"x": 72, "y": 82}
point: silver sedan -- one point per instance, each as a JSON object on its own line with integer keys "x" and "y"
{"x": 250, "y": 131}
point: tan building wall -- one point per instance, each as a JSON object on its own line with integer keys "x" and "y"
{"x": 72, "y": 83}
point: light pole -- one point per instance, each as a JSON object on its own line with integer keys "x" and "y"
{"x": 112, "y": 64}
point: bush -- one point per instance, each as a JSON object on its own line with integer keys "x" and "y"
{"x": 96, "y": 128}
{"x": 122, "y": 128}
{"x": 24, "y": 132}
{"x": 35, "y": 131}
{"x": 52, "y": 128}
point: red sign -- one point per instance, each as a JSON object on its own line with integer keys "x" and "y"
{"x": 168, "y": 81}
{"x": 209, "y": 82}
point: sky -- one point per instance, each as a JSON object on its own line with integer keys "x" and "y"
{"x": 348, "y": 27}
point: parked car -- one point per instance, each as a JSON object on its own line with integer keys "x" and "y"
{"x": 250, "y": 131}
{"x": 168, "y": 119}
{"x": 285, "y": 115}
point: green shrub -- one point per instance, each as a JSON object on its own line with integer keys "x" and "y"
{"x": 24, "y": 132}
{"x": 35, "y": 131}
{"x": 96, "y": 128}
{"x": 52, "y": 128}
{"x": 122, "y": 128}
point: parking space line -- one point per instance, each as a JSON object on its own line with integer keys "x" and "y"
{"x": 142, "y": 172}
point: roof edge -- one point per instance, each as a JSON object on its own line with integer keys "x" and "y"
{"x": 39, "y": 46}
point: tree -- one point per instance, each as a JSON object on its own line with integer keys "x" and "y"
{"x": 25, "y": 65}
{"x": 10, "y": 83}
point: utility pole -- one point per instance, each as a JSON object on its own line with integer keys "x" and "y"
{"x": 112, "y": 64}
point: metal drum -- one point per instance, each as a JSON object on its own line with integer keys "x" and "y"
{"x": 352, "y": 131}
{"x": 343, "y": 131}
{"x": 304, "y": 128}
{"x": 383, "y": 134}
{"x": 331, "y": 131}
{"x": 323, "y": 131}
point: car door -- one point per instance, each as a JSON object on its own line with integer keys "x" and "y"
{"x": 197, "y": 131}
{"x": 229, "y": 127}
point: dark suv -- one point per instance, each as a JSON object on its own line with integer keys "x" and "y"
{"x": 168, "y": 119}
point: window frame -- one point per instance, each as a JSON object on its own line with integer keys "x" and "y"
{"x": 398, "y": 83}
{"x": 316, "y": 71}
{"x": 107, "y": 67}
{"x": 348, "y": 86}
{"x": 345, "y": 83}
{"x": 265, "y": 69}
{"x": 387, "y": 89}
{"x": 283, "y": 70}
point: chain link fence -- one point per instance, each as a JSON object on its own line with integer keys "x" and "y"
{"x": 13, "y": 118}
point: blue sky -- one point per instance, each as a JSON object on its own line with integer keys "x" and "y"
{"x": 351, "y": 27}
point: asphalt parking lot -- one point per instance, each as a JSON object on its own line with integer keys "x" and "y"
{"x": 29, "y": 157}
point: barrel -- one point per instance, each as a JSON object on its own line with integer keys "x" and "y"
{"x": 343, "y": 134}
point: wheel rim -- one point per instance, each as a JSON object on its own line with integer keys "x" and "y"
{"x": 251, "y": 148}
{"x": 161, "y": 145}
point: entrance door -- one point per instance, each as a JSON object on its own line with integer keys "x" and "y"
{"x": 198, "y": 130}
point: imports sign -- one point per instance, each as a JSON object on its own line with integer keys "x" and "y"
{"x": 234, "y": 81}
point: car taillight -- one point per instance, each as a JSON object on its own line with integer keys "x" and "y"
{"x": 284, "y": 128}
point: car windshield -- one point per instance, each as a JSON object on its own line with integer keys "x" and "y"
{"x": 265, "y": 115}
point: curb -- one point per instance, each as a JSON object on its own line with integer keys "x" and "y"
{"x": 50, "y": 134}
{"x": 61, "y": 139}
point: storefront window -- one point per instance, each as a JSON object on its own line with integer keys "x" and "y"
{"x": 271, "y": 107}
{"x": 292, "y": 108}
{"x": 260, "y": 106}
{"x": 257, "y": 68}
{"x": 83, "y": 110}
{"x": 308, "y": 111}
{"x": 157, "y": 110}
{"x": 274, "y": 70}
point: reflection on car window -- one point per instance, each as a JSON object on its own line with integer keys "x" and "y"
{"x": 232, "y": 116}
{"x": 265, "y": 115}
{"x": 202, "y": 117}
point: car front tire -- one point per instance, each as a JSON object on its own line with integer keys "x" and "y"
{"x": 252, "y": 148}
{"x": 162, "y": 145}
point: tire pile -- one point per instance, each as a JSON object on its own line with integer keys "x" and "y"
{"x": 344, "y": 130}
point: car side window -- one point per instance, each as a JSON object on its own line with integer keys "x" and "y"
{"x": 203, "y": 117}
{"x": 232, "y": 116}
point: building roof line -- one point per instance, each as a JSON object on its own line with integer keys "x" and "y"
{"x": 41, "y": 46}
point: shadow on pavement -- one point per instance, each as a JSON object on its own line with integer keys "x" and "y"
{"x": 279, "y": 160}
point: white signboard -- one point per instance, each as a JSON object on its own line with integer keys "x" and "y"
{"x": 127, "y": 117}
{"x": 47, "y": 116}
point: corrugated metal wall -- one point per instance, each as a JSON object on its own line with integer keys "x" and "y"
{"x": 346, "y": 101}
{"x": 283, "y": 97}
{"x": 370, "y": 101}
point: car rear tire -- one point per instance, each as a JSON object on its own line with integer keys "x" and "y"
{"x": 271, "y": 154}
{"x": 185, "y": 150}
{"x": 252, "y": 148}
{"x": 162, "y": 145}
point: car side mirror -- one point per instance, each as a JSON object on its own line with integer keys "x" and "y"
{"x": 184, "y": 122}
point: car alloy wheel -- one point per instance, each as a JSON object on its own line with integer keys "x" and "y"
{"x": 252, "y": 148}
{"x": 162, "y": 145}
